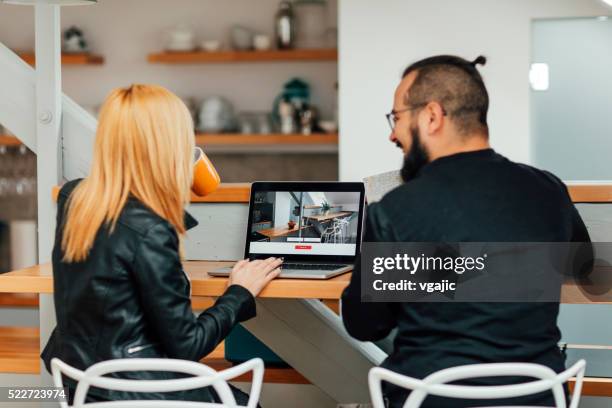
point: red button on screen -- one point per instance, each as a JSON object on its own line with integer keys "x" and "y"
{"x": 303, "y": 247}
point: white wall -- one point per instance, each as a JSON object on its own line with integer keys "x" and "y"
{"x": 125, "y": 31}
{"x": 379, "y": 39}
{"x": 282, "y": 209}
{"x": 569, "y": 121}
{"x": 347, "y": 200}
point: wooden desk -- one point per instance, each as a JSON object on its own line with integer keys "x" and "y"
{"x": 39, "y": 279}
{"x": 279, "y": 231}
{"x": 322, "y": 217}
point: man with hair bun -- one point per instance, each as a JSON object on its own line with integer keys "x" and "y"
{"x": 458, "y": 189}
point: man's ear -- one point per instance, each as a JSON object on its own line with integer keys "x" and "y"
{"x": 435, "y": 117}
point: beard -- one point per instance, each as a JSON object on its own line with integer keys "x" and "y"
{"x": 416, "y": 157}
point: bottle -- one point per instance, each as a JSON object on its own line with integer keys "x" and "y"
{"x": 286, "y": 112}
{"x": 284, "y": 26}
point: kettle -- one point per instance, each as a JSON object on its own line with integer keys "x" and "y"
{"x": 297, "y": 92}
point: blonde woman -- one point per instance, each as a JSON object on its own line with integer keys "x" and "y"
{"x": 120, "y": 291}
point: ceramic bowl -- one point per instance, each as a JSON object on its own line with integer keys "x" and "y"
{"x": 262, "y": 42}
{"x": 211, "y": 45}
{"x": 329, "y": 126}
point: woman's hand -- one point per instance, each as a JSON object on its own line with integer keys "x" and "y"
{"x": 255, "y": 275}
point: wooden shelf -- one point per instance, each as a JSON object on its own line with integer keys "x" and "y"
{"x": 225, "y": 193}
{"x": 266, "y": 139}
{"x": 68, "y": 59}
{"x": 203, "y": 57}
{"x": 232, "y": 139}
{"x": 6, "y": 140}
{"x": 21, "y": 300}
{"x": 19, "y": 350}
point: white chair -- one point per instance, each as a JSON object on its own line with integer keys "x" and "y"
{"x": 330, "y": 234}
{"x": 343, "y": 224}
{"x": 201, "y": 376}
{"x": 437, "y": 383}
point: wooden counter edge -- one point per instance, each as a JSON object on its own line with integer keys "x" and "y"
{"x": 278, "y": 289}
{"x": 594, "y": 386}
{"x": 240, "y": 193}
{"x": 579, "y": 193}
{"x": 26, "y": 284}
{"x": 38, "y": 279}
{"x": 226, "y": 193}
{"x": 590, "y": 193}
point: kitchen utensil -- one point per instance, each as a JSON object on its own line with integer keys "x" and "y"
{"x": 286, "y": 112}
{"x": 263, "y": 123}
{"x": 205, "y": 176}
{"x": 296, "y": 92}
{"x": 180, "y": 38}
{"x": 308, "y": 118}
{"x": 216, "y": 115}
{"x": 246, "y": 123}
{"x": 254, "y": 123}
{"x": 311, "y": 23}
{"x": 211, "y": 45}
{"x": 284, "y": 26}
{"x": 262, "y": 42}
{"x": 329, "y": 126}
{"x": 74, "y": 41}
{"x": 242, "y": 38}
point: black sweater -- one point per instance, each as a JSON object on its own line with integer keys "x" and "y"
{"x": 477, "y": 196}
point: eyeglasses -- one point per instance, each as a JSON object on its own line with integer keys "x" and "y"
{"x": 391, "y": 115}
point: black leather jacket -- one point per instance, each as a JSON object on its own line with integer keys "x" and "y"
{"x": 131, "y": 298}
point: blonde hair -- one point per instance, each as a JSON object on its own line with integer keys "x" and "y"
{"x": 144, "y": 148}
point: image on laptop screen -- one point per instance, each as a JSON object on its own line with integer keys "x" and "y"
{"x": 304, "y": 223}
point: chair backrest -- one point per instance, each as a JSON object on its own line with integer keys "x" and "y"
{"x": 201, "y": 376}
{"x": 437, "y": 383}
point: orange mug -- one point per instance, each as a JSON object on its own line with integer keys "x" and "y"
{"x": 205, "y": 176}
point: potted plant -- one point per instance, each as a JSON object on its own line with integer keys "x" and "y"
{"x": 291, "y": 224}
{"x": 325, "y": 207}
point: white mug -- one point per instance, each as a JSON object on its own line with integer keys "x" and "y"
{"x": 262, "y": 42}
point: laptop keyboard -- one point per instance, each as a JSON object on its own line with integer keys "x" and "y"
{"x": 308, "y": 266}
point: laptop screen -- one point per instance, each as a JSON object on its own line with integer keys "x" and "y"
{"x": 305, "y": 222}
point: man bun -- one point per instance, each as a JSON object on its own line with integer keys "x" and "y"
{"x": 480, "y": 60}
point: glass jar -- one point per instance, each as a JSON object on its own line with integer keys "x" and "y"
{"x": 311, "y": 24}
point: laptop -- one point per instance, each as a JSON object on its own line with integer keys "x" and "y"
{"x": 315, "y": 226}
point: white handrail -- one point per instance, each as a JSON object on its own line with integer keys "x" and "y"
{"x": 18, "y": 102}
{"x": 18, "y": 114}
